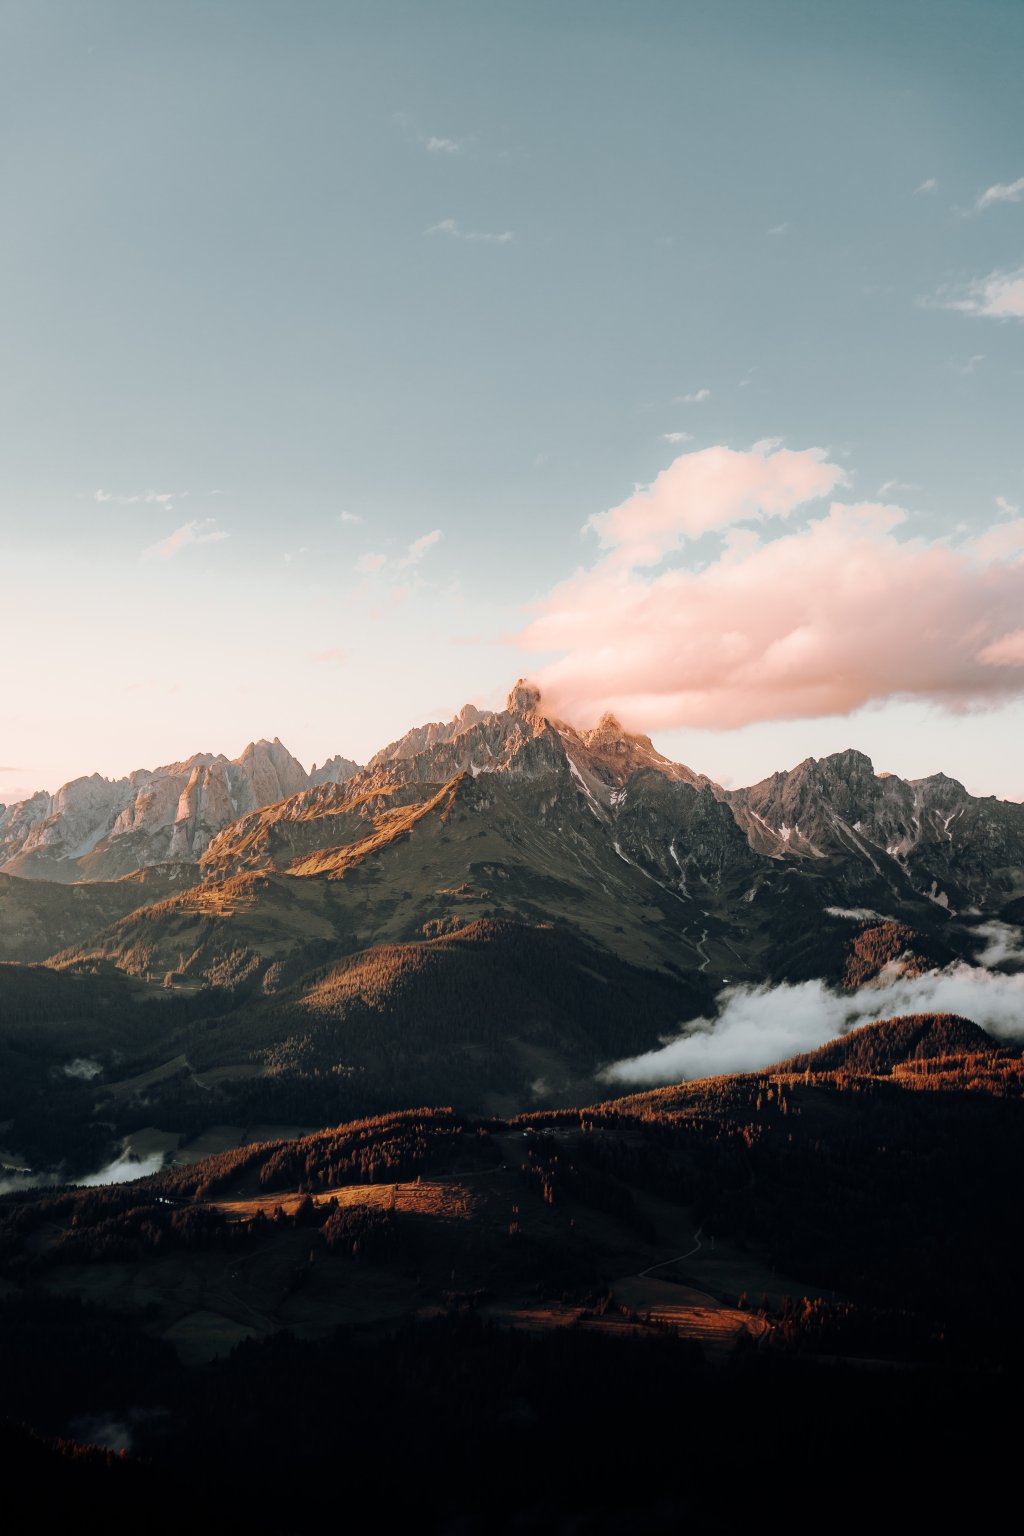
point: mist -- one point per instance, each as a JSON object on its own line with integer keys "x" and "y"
{"x": 756, "y": 1027}
{"x": 121, "y": 1170}
{"x": 82, "y": 1067}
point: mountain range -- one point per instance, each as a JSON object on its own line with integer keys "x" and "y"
{"x": 227, "y": 992}
{"x": 99, "y": 829}
{"x": 487, "y": 914}
{"x": 210, "y": 868}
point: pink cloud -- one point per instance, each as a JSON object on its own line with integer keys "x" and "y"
{"x": 710, "y": 489}
{"x": 191, "y": 533}
{"x": 820, "y": 620}
{"x": 419, "y": 547}
{"x": 1000, "y": 296}
{"x": 1006, "y": 652}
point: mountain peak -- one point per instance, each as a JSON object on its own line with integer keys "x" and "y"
{"x": 524, "y": 699}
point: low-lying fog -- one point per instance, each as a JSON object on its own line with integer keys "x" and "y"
{"x": 757, "y": 1026}
{"x": 123, "y": 1168}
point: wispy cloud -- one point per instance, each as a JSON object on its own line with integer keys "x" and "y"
{"x": 677, "y": 437}
{"x": 292, "y": 555}
{"x": 140, "y": 498}
{"x": 478, "y": 236}
{"x": 334, "y": 657}
{"x": 349, "y": 517}
{"x": 931, "y": 185}
{"x": 999, "y": 296}
{"x": 1007, "y": 508}
{"x": 187, "y": 536}
{"x": 1002, "y": 192}
{"x": 971, "y": 364}
{"x": 697, "y": 397}
{"x": 374, "y": 562}
{"x": 433, "y": 143}
{"x": 888, "y": 486}
{"x": 419, "y": 547}
{"x": 778, "y": 229}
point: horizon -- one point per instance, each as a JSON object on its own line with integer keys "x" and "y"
{"x": 311, "y": 764}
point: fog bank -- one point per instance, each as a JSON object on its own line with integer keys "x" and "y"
{"x": 756, "y": 1027}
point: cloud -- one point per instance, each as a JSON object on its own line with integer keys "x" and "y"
{"x": 971, "y": 365}
{"x": 1006, "y": 507}
{"x": 1004, "y": 943}
{"x": 842, "y": 611}
{"x": 189, "y": 534}
{"x": 888, "y": 486}
{"x": 696, "y": 398}
{"x": 433, "y": 143}
{"x": 372, "y": 564}
{"x": 334, "y": 657}
{"x": 419, "y": 547}
{"x": 858, "y": 914}
{"x": 349, "y": 517}
{"x": 450, "y": 227}
{"x": 149, "y": 498}
{"x": 931, "y": 185}
{"x": 677, "y": 437}
{"x": 1002, "y": 192}
{"x": 778, "y": 229}
{"x": 756, "y": 1027}
{"x": 1008, "y": 651}
{"x": 1000, "y": 296}
{"x": 710, "y": 489}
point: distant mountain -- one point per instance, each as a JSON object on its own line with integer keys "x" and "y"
{"x": 260, "y": 873}
{"x": 100, "y": 829}
{"x": 512, "y": 815}
{"x": 948, "y": 845}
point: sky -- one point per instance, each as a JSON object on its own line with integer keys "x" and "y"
{"x": 358, "y": 359}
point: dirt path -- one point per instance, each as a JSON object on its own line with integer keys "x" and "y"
{"x": 694, "y": 1314}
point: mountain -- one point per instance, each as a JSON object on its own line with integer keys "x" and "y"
{"x": 100, "y": 829}
{"x": 878, "y": 1049}
{"x": 41, "y": 917}
{"x": 515, "y": 816}
{"x": 487, "y": 913}
{"x": 927, "y": 833}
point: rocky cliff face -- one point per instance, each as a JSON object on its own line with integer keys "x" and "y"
{"x": 928, "y": 834}
{"x": 100, "y": 829}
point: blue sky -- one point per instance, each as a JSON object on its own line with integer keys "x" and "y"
{"x": 289, "y": 288}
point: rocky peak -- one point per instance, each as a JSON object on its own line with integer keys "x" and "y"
{"x": 96, "y": 828}
{"x": 524, "y": 699}
{"x": 335, "y": 770}
{"x": 424, "y": 738}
